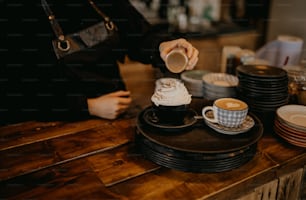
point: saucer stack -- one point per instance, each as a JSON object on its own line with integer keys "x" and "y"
{"x": 290, "y": 124}
{"x": 219, "y": 85}
{"x": 264, "y": 88}
{"x": 193, "y": 81}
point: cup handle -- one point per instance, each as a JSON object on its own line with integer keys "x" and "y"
{"x": 204, "y": 110}
{"x": 154, "y": 117}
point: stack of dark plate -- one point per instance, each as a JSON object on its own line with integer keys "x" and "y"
{"x": 192, "y": 146}
{"x": 264, "y": 88}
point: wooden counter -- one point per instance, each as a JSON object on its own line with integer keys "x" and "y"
{"x": 97, "y": 159}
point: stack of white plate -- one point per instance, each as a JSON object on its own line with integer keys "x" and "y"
{"x": 193, "y": 81}
{"x": 219, "y": 85}
{"x": 290, "y": 124}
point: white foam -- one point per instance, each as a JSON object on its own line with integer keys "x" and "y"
{"x": 170, "y": 92}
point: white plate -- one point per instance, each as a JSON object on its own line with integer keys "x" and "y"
{"x": 294, "y": 115}
{"x": 193, "y": 76}
{"x": 220, "y": 80}
{"x": 247, "y": 124}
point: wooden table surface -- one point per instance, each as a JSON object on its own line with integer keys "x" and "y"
{"x": 97, "y": 159}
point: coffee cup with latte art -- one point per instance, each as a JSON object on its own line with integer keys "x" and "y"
{"x": 228, "y": 112}
{"x": 170, "y": 100}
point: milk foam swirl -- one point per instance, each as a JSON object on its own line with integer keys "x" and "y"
{"x": 170, "y": 92}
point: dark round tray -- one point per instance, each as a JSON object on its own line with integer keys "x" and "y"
{"x": 197, "y": 149}
{"x": 180, "y": 162}
{"x": 200, "y": 138}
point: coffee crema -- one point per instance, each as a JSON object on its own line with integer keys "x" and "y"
{"x": 231, "y": 104}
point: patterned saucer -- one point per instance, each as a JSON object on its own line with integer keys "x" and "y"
{"x": 247, "y": 124}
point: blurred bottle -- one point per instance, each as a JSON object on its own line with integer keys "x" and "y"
{"x": 296, "y": 84}
{"x": 230, "y": 64}
{"x": 228, "y": 58}
{"x": 176, "y": 13}
{"x": 162, "y": 11}
{"x": 238, "y": 57}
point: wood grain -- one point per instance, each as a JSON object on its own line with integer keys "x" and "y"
{"x": 117, "y": 165}
{"x": 97, "y": 159}
{"x": 27, "y": 133}
{"x": 267, "y": 191}
{"x": 74, "y": 180}
{"x": 289, "y": 185}
{"x": 82, "y": 141}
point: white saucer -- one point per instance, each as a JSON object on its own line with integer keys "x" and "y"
{"x": 217, "y": 80}
{"x": 247, "y": 124}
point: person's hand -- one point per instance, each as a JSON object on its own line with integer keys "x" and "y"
{"x": 191, "y": 51}
{"x": 109, "y": 106}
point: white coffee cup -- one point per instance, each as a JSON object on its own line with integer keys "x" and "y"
{"x": 177, "y": 60}
{"x": 228, "y": 112}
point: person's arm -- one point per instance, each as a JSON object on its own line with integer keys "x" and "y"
{"x": 149, "y": 44}
{"x": 109, "y": 106}
{"x": 191, "y": 52}
{"x": 139, "y": 38}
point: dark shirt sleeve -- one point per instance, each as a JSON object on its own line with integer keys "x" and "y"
{"x": 140, "y": 37}
{"x": 32, "y": 83}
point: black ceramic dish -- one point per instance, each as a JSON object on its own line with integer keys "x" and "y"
{"x": 180, "y": 162}
{"x": 174, "y": 115}
{"x": 261, "y": 71}
{"x": 170, "y": 125}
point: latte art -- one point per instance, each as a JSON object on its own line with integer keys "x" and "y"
{"x": 231, "y": 104}
{"x": 170, "y": 92}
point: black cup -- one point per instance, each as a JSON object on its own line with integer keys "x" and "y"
{"x": 173, "y": 115}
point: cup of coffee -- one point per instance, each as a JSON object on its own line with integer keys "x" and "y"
{"x": 177, "y": 60}
{"x": 172, "y": 115}
{"x": 228, "y": 112}
{"x": 170, "y": 101}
